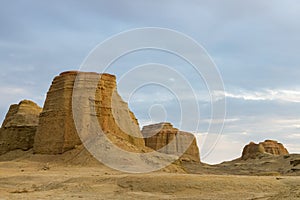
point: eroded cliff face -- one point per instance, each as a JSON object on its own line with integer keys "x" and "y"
{"x": 19, "y": 127}
{"x": 56, "y": 131}
{"x": 275, "y": 148}
{"x": 164, "y": 138}
{"x": 271, "y": 147}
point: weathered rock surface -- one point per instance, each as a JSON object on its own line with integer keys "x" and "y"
{"x": 19, "y": 127}
{"x": 275, "y": 148}
{"x": 57, "y": 132}
{"x": 271, "y": 147}
{"x": 164, "y": 138}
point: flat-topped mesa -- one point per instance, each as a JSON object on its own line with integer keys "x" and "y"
{"x": 57, "y": 132}
{"x": 19, "y": 126}
{"x": 164, "y": 138}
{"x": 269, "y": 147}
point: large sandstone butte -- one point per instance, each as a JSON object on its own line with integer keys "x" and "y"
{"x": 19, "y": 127}
{"x": 164, "y": 138}
{"x": 271, "y": 147}
{"x": 57, "y": 133}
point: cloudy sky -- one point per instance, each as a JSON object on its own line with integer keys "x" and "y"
{"x": 255, "y": 45}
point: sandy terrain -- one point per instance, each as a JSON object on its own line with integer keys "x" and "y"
{"x": 27, "y": 176}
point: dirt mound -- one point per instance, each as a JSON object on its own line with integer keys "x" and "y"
{"x": 264, "y": 165}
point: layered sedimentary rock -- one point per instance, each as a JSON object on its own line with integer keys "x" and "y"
{"x": 57, "y": 132}
{"x": 164, "y": 138}
{"x": 19, "y": 127}
{"x": 271, "y": 147}
{"x": 275, "y": 148}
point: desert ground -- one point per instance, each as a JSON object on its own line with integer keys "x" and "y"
{"x": 74, "y": 175}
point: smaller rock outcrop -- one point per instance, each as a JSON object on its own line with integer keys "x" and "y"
{"x": 270, "y": 147}
{"x": 164, "y": 138}
{"x": 19, "y": 127}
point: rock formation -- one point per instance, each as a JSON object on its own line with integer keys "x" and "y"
{"x": 271, "y": 147}
{"x": 163, "y": 137}
{"x": 275, "y": 148}
{"x": 19, "y": 127}
{"x": 57, "y": 132}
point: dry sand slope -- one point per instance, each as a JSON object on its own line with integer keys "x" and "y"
{"x": 27, "y": 176}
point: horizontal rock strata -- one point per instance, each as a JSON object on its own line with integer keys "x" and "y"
{"x": 57, "y": 132}
{"x": 163, "y": 137}
{"x": 19, "y": 127}
{"x": 271, "y": 147}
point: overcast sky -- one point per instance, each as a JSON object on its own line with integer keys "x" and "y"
{"x": 255, "y": 45}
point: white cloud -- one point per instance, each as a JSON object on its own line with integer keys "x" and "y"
{"x": 294, "y": 136}
{"x": 286, "y": 123}
{"x": 12, "y": 90}
{"x": 219, "y": 121}
{"x": 267, "y": 94}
